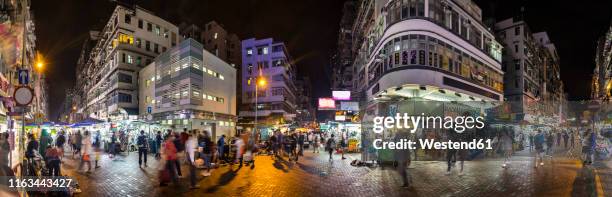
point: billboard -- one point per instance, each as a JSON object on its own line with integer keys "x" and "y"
{"x": 327, "y": 104}
{"x": 341, "y": 95}
{"x": 340, "y": 118}
{"x": 349, "y": 106}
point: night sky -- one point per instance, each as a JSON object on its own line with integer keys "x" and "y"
{"x": 309, "y": 28}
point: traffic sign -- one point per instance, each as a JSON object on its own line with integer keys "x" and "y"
{"x": 149, "y": 110}
{"x": 24, "y": 76}
{"x": 149, "y": 117}
{"x": 23, "y": 95}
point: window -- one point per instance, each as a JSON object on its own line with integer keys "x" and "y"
{"x": 278, "y": 91}
{"x": 221, "y": 77}
{"x": 156, "y": 48}
{"x": 259, "y": 51}
{"x": 517, "y": 64}
{"x": 148, "y": 83}
{"x": 148, "y": 45}
{"x": 125, "y": 78}
{"x": 516, "y": 48}
{"x": 140, "y": 23}
{"x": 157, "y": 30}
{"x": 130, "y": 59}
{"x": 125, "y": 38}
{"x": 127, "y": 18}
{"x": 277, "y": 48}
{"x": 123, "y": 58}
{"x": 517, "y": 30}
{"x": 149, "y": 27}
{"x": 249, "y": 52}
{"x": 163, "y": 49}
{"x": 265, "y": 50}
{"x": 250, "y": 69}
{"x": 139, "y": 60}
{"x": 125, "y": 98}
{"x": 138, "y": 42}
{"x": 215, "y": 36}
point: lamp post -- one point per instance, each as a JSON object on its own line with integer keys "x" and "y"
{"x": 259, "y": 82}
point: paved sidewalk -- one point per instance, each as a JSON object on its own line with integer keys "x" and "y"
{"x": 315, "y": 175}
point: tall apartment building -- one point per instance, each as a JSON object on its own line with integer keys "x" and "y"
{"x": 188, "y": 87}
{"x": 306, "y": 113}
{"x": 533, "y": 81}
{"x": 602, "y": 74}
{"x": 435, "y": 50}
{"x": 130, "y": 40}
{"x": 342, "y": 60}
{"x": 276, "y": 101}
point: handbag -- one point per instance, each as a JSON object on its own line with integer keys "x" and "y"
{"x": 86, "y": 157}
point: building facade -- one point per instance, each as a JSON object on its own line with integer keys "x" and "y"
{"x": 130, "y": 40}
{"x": 277, "y": 100}
{"x": 532, "y": 81}
{"x": 342, "y": 60}
{"x": 427, "y": 49}
{"x": 188, "y": 87}
{"x": 602, "y": 74}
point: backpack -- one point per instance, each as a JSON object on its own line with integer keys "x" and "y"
{"x": 330, "y": 143}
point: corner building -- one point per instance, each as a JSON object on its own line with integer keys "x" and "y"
{"x": 189, "y": 87}
{"x": 428, "y": 49}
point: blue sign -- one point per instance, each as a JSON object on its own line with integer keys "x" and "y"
{"x": 149, "y": 109}
{"x": 24, "y": 76}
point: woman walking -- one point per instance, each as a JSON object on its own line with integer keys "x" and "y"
{"x": 86, "y": 151}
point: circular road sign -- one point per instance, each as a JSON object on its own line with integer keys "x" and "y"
{"x": 23, "y": 95}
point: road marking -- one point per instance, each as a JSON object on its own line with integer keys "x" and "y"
{"x": 600, "y": 191}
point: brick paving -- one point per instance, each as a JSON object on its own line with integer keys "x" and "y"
{"x": 314, "y": 175}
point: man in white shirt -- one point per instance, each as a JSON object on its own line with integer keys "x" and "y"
{"x": 191, "y": 146}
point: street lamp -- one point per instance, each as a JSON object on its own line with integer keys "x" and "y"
{"x": 261, "y": 81}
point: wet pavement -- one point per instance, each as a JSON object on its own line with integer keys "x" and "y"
{"x": 315, "y": 175}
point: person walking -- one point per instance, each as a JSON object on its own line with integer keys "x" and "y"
{"x": 73, "y": 143}
{"x": 572, "y": 138}
{"x": 180, "y": 153}
{"x": 59, "y": 144}
{"x": 539, "y": 146}
{"x": 565, "y": 138}
{"x": 506, "y": 147}
{"x": 158, "y": 141}
{"x": 549, "y": 144}
{"x": 45, "y": 141}
{"x": 300, "y": 143}
{"x": 191, "y": 145}
{"x": 221, "y": 148}
{"x": 97, "y": 143}
{"x": 31, "y": 153}
{"x": 558, "y": 139}
{"x": 330, "y": 145}
{"x": 531, "y": 144}
{"x": 316, "y": 139}
{"x": 113, "y": 145}
{"x": 240, "y": 149}
{"x": 272, "y": 143}
{"x": 52, "y": 159}
{"x": 588, "y": 146}
{"x": 343, "y": 146}
{"x": 143, "y": 147}
{"x": 207, "y": 147}
{"x": 402, "y": 156}
{"x": 86, "y": 151}
{"x": 170, "y": 158}
{"x": 79, "y": 139}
